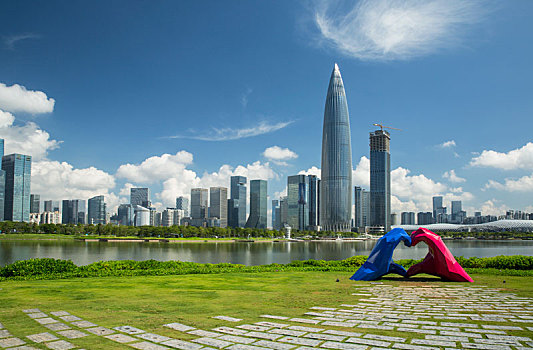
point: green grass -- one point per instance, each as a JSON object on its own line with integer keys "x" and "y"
{"x": 148, "y": 302}
{"x": 34, "y": 236}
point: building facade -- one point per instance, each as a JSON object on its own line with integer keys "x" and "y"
{"x": 140, "y": 196}
{"x": 336, "y": 166}
{"x": 362, "y": 208}
{"x": 298, "y": 207}
{"x": 218, "y": 201}
{"x": 276, "y": 213}
{"x": 17, "y": 169}
{"x": 126, "y": 215}
{"x": 380, "y": 195}
{"x": 237, "y": 202}
{"x": 314, "y": 201}
{"x": 97, "y": 211}
{"x": 408, "y": 218}
{"x": 182, "y": 203}
{"x": 258, "y": 205}
{"x": 35, "y": 203}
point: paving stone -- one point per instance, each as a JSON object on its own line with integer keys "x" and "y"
{"x": 202, "y": 333}
{"x": 120, "y": 338}
{"x": 442, "y": 328}
{"x": 60, "y": 345}
{"x": 70, "y": 318}
{"x": 23, "y": 347}
{"x": 5, "y": 333}
{"x": 484, "y": 346}
{"x": 499, "y": 342}
{"x": 507, "y": 337}
{"x": 236, "y": 339}
{"x": 275, "y": 317}
{"x": 272, "y": 324}
{"x": 30, "y": 311}
{"x": 84, "y": 324}
{"x": 461, "y": 334}
{"x": 262, "y": 335}
{"x": 129, "y": 330}
{"x": 304, "y": 320}
{"x": 507, "y": 328}
{"x": 289, "y": 332}
{"x": 484, "y": 331}
{"x": 412, "y": 347}
{"x": 9, "y": 342}
{"x": 322, "y": 308}
{"x": 446, "y": 338}
{"x": 348, "y": 334}
{"x": 156, "y": 338}
{"x": 229, "y": 330}
{"x": 72, "y": 334}
{"x": 60, "y": 313}
{"x": 300, "y": 341}
{"x": 182, "y": 344}
{"x": 337, "y": 324}
{"x": 213, "y": 342}
{"x": 37, "y": 315}
{"x": 462, "y": 325}
{"x": 100, "y": 331}
{"x": 322, "y": 336}
{"x": 1, "y": 325}
{"x": 147, "y": 346}
{"x": 373, "y": 326}
{"x": 384, "y": 337}
{"x": 57, "y": 326}
{"x": 41, "y": 337}
{"x": 252, "y": 327}
{"x": 274, "y": 345}
{"x": 228, "y": 318}
{"x": 305, "y": 329}
{"x": 415, "y": 330}
{"x": 179, "y": 327}
{"x": 245, "y": 347}
{"x": 46, "y": 320}
{"x": 433, "y": 342}
{"x": 342, "y": 346}
{"x": 368, "y": 342}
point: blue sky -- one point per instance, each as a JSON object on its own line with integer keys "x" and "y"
{"x": 174, "y": 95}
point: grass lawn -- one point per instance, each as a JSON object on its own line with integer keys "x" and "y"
{"x": 34, "y": 236}
{"x": 149, "y": 302}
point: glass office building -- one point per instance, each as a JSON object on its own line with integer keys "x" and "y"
{"x": 298, "y": 202}
{"x": 182, "y": 203}
{"x": 17, "y": 169}
{"x": 237, "y": 202}
{"x": 97, "y": 211}
{"x": 336, "y": 175}
{"x": 258, "y": 205}
{"x": 380, "y": 179}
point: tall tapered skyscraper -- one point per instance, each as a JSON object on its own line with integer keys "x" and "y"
{"x": 336, "y": 177}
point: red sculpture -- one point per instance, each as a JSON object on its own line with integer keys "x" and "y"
{"x": 439, "y": 261}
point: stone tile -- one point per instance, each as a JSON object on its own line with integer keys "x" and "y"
{"x": 484, "y": 331}
{"x": 413, "y": 347}
{"x": 252, "y": 327}
{"x": 507, "y": 337}
{"x": 462, "y": 325}
{"x": 415, "y": 330}
{"x": 4, "y": 333}
{"x": 37, "y": 315}
{"x": 484, "y": 346}
{"x": 57, "y": 326}
{"x": 120, "y": 338}
{"x": 9, "y": 342}
{"x": 348, "y": 334}
{"x": 182, "y": 344}
{"x": 41, "y": 337}
{"x": 202, "y": 333}
{"x": 305, "y": 329}
{"x": 271, "y": 324}
{"x": 229, "y": 330}
{"x": 237, "y": 339}
{"x": 366, "y": 341}
{"x": 262, "y": 335}
{"x": 60, "y": 313}
{"x": 289, "y": 332}
{"x": 507, "y": 328}
{"x": 129, "y": 330}
{"x": 300, "y": 341}
{"x": 30, "y": 311}
{"x": 72, "y": 334}
{"x": 384, "y": 337}
{"x": 245, "y": 347}
{"x": 70, "y": 318}
{"x": 321, "y": 336}
{"x": 274, "y": 345}
{"x": 228, "y": 318}
{"x": 446, "y": 338}
{"x": 83, "y": 324}
{"x": 144, "y": 345}
{"x": 342, "y": 346}
{"x": 433, "y": 342}
{"x": 304, "y": 320}
{"x": 60, "y": 345}
{"x": 1, "y": 325}
{"x": 275, "y": 317}
{"x": 220, "y": 344}
{"x": 24, "y": 347}
{"x": 461, "y": 334}
{"x": 179, "y": 327}
{"x": 46, "y": 320}
{"x": 156, "y": 338}
{"x": 100, "y": 331}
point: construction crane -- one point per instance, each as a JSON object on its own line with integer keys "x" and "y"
{"x": 388, "y": 127}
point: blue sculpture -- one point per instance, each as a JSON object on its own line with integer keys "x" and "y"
{"x": 379, "y": 262}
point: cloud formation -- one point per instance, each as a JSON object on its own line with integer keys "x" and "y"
{"x": 523, "y": 184}
{"x": 278, "y": 154}
{"x": 395, "y": 29}
{"x": 17, "y": 98}
{"x": 452, "y": 176}
{"x": 228, "y": 134}
{"x": 11, "y": 40}
{"x": 447, "y": 144}
{"x": 156, "y": 168}
{"x": 520, "y": 158}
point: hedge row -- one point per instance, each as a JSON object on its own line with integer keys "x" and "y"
{"x": 55, "y": 268}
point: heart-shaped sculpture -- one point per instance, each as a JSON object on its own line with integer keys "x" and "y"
{"x": 439, "y": 261}
{"x": 379, "y": 261}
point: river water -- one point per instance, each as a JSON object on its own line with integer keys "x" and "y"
{"x": 257, "y": 253}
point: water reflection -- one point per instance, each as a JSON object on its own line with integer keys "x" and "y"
{"x": 240, "y": 253}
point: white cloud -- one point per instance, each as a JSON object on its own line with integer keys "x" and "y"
{"x": 156, "y": 168}
{"x": 523, "y": 184}
{"x": 311, "y": 171}
{"x": 361, "y": 174}
{"x": 448, "y": 144}
{"x": 244, "y": 97}
{"x": 492, "y": 207}
{"x": 227, "y": 134}
{"x": 126, "y": 189}
{"x": 16, "y": 98}
{"x": 11, "y": 40}
{"x": 396, "y": 30}
{"x": 520, "y": 158}
{"x": 276, "y": 153}
{"x": 25, "y": 139}
{"x": 452, "y": 176}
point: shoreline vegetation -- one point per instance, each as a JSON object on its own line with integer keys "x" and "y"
{"x": 48, "y": 269}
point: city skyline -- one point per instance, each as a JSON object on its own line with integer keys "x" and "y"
{"x": 266, "y": 123}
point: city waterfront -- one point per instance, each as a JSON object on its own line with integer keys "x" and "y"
{"x": 257, "y": 253}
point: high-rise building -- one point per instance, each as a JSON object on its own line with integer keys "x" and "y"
{"x": 140, "y": 196}
{"x": 126, "y": 215}
{"x": 424, "y": 218}
{"x": 258, "y": 205}
{"x": 182, "y": 203}
{"x": 336, "y": 169}
{"x": 276, "y": 215}
{"x": 199, "y": 207}
{"x": 362, "y": 208}
{"x": 438, "y": 209}
{"x": 458, "y": 215}
{"x": 71, "y": 210}
{"x": 142, "y": 215}
{"x": 314, "y": 201}
{"x": 237, "y": 202}
{"x": 35, "y": 203}
{"x": 408, "y": 218}
{"x": 97, "y": 211}
{"x": 298, "y": 194}
{"x": 2, "y": 183}
{"x": 283, "y": 211}
{"x": 394, "y": 219}
{"x": 218, "y": 201}
{"x": 48, "y": 206}
{"x": 17, "y": 189}
{"x": 380, "y": 195}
